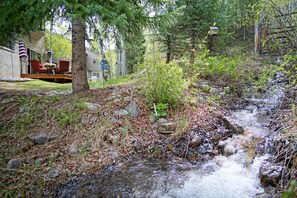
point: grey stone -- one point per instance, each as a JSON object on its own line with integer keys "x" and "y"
{"x": 72, "y": 149}
{"x": 229, "y": 149}
{"x": 40, "y": 139}
{"x": 14, "y": 164}
{"x": 114, "y": 154}
{"x": 196, "y": 141}
{"x": 92, "y": 106}
{"x": 270, "y": 173}
{"x": 162, "y": 121}
{"x": 52, "y": 174}
{"x": 133, "y": 109}
{"x": 121, "y": 112}
{"x": 234, "y": 128}
{"x": 2, "y": 92}
{"x": 222, "y": 143}
{"x": 167, "y": 128}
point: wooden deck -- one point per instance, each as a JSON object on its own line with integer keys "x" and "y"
{"x": 49, "y": 77}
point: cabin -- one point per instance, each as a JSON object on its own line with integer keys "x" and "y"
{"x": 11, "y": 65}
{"x": 14, "y": 65}
{"x": 93, "y": 63}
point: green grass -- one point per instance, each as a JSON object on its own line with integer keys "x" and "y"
{"x": 35, "y": 85}
{"x": 113, "y": 82}
{"x": 50, "y": 86}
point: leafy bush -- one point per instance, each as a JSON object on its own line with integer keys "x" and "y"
{"x": 161, "y": 109}
{"x": 233, "y": 72}
{"x": 222, "y": 68}
{"x": 164, "y": 83}
{"x": 289, "y": 68}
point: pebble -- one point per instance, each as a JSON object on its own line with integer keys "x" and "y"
{"x": 14, "y": 164}
{"x": 121, "y": 112}
{"x": 53, "y": 173}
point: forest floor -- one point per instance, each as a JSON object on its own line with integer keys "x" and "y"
{"x": 56, "y": 136}
{"x": 53, "y": 135}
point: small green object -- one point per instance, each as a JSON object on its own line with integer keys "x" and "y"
{"x": 291, "y": 192}
{"x": 161, "y": 109}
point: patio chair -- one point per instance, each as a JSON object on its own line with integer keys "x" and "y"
{"x": 63, "y": 67}
{"x": 37, "y": 67}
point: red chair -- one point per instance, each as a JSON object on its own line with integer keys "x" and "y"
{"x": 63, "y": 67}
{"x": 37, "y": 67}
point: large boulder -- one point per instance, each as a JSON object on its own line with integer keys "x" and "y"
{"x": 270, "y": 173}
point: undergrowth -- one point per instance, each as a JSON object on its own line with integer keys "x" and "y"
{"x": 163, "y": 83}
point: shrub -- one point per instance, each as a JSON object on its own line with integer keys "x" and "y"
{"x": 234, "y": 72}
{"x": 223, "y": 68}
{"x": 164, "y": 83}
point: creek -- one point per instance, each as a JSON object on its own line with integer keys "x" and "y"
{"x": 235, "y": 175}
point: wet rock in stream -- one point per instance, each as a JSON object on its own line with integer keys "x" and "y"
{"x": 270, "y": 173}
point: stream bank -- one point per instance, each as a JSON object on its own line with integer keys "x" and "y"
{"x": 202, "y": 164}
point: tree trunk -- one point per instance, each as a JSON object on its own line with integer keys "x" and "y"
{"x": 118, "y": 63}
{"x": 168, "y": 54}
{"x": 101, "y": 39}
{"x": 118, "y": 56}
{"x": 79, "y": 57}
{"x": 257, "y": 40}
{"x": 123, "y": 55}
{"x": 192, "y": 46}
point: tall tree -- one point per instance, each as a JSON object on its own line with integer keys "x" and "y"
{"x": 198, "y": 16}
{"x": 124, "y": 14}
{"x": 79, "y": 58}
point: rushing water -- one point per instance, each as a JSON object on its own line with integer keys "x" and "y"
{"x": 222, "y": 177}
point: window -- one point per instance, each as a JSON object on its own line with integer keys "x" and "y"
{"x": 96, "y": 74}
{"x": 95, "y": 61}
